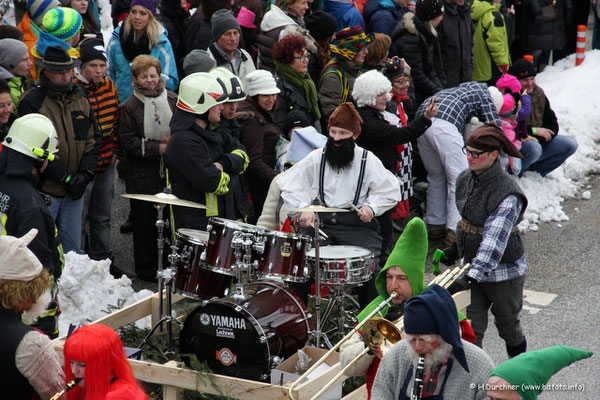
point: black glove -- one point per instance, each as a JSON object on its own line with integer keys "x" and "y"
{"x": 461, "y": 283}
{"x": 450, "y": 254}
{"x": 77, "y": 183}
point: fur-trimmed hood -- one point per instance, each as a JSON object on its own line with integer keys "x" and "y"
{"x": 413, "y": 25}
{"x": 244, "y": 115}
{"x": 368, "y": 86}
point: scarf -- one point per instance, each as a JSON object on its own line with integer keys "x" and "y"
{"x": 304, "y": 84}
{"x": 133, "y": 49}
{"x": 157, "y": 111}
{"x": 55, "y": 88}
{"x": 398, "y": 99}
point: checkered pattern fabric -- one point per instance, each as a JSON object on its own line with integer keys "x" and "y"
{"x": 459, "y": 104}
{"x": 405, "y": 172}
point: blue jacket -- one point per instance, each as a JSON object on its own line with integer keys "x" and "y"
{"x": 344, "y": 12}
{"x": 120, "y": 71}
{"x": 382, "y": 19}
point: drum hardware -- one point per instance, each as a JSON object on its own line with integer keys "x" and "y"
{"x": 336, "y": 303}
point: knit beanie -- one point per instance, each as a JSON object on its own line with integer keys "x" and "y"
{"x": 508, "y": 106}
{"x": 92, "y": 49}
{"x": 433, "y": 311}
{"x": 320, "y": 25}
{"x": 410, "y": 254}
{"x": 426, "y": 10}
{"x": 150, "y": 5}
{"x": 350, "y": 41}
{"x": 293, "y": 119}
{"x": 37, "y": 9}
{"x": 345, "y": 116}
{"x": 222, "y": 21}
{"x": 393, "y": 68}
{"x": 496, "y": 97}
{"x": 368, "y": 86}
{"x": 198, "y": 61}
{"x": 11, "y": 32}
{"x": 11, "y": 52}
{"x": 509, "y": 82}
{"x": 522, "y": 69}
{"x": 62, "y": 22}
{"x": 260, "y": 82}
{"x": 529, "y": 371}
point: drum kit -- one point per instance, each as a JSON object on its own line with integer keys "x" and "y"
{"x": 248, "y": 320}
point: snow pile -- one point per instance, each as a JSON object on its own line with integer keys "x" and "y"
{"x": 574, "y": 96}
{"x": 87, "y": 291}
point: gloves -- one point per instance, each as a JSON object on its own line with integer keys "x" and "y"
{"x": 77, "y": 183}
{"x": 450, "y": 254}
{"x": 461, "y": 283}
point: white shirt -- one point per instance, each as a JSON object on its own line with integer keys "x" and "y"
{"x": 300, "y": 184}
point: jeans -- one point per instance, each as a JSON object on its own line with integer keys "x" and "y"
{"x": 545, "y": 159}
{"x": 67, "y": 215}
{"x": 98, "y": 200}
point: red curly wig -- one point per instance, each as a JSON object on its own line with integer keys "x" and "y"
{"x": 101, "y": 349}
{"x": 284, "y": 50}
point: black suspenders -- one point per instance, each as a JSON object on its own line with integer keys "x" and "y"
{"x": 361, "y": 177}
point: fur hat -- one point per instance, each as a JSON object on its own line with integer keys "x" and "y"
{"x": 222, "y": 21}
{"x": 11, "y": 52}
{"x": 496, "y": 97}
{"x": 17, "y": 262}
{"x": 260, "y": 82}
{"x": 522, "y": 69}
{"x": 368, "y": 86}
{"x": 508, "y": 81}
{"x": 426, "y": 10}
{"x": 345, "y": 116}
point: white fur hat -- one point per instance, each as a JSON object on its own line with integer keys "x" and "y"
{"x": 17, "y": 262}
{"x": 368, "y": 86}
{"x": 496, "y": 97}
{"x": 260, "y": 82}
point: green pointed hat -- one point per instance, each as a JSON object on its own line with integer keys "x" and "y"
{"x": 537, "y": 367}
{"x": 410, "y": 254}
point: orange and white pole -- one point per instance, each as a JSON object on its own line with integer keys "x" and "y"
{"x": 580, "y": 47}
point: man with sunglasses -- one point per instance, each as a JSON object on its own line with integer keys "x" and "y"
{"x": 491, "y": 204}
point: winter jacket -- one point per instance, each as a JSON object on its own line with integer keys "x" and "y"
{"x": 337, "y": 76}
{"x": 107, "y": 109}
{"x": 246, "y": 66}
{"x": 290, "y": 98}
{"x": 190, "y": 157}
{"x": 18, "y": 85}
{"x": 380, "y": 137}
{"x": 175, "y": 20}
{"x": 490, "y": 42}
{"x": 198, "y": 33}
{"x": 414, "y": 42}
{"x": 380, "y": 18}
{"x": 31, "y": 32}
{"x": 259, "y": 134}
{"x": 456, "y": 38}
{"x": 545, "y": 24}
{"x": 15, "y": 384}
{"x": 144, "y": 172}
{"x": 119, "y": 69}
{"x": 78, "y": 134}
{"x": 22, "y": 208}
{"x": 275, "y": 21}
{"x": 344, "y": 12}
{"x": 541, "y": 114}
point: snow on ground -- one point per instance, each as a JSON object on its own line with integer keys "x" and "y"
{"x": 87, "y": 292}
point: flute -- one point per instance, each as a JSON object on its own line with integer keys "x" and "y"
{"x": 69, "y": 386}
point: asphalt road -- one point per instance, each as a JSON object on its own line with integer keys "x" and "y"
{"x": 562, "y": 260}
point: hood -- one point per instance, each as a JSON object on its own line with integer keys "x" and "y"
{"x": 47, "y": 40}
{"x": 275, "y": 18}
{"x": 13, "y": 163}
{"x": 407, "y": 23}
{"x": 480, "y": 8}
{"x": 5, "y": 74}
{"x": 374, "y": 5}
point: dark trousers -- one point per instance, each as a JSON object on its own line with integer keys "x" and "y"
{"x": 387, "y": 234}
{"x": 505, "y": 299}
{"x": 145, "y": 236}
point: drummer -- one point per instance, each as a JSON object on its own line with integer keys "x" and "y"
{"x": 403, "y": 273}
{"x": 340, "y": 173}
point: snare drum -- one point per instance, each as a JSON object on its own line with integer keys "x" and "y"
{"x": 192, "y": 279}
{"x": 220, "y": 256}
{"x": 343, "y": 265}
{"x": 284, "y": 257}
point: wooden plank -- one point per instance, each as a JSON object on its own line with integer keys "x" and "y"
{"x": 309, "y": 388}
{"x": 358, "y": 394}
{"x": 462, "y": 300}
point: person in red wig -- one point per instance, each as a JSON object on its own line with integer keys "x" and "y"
{"x": 95, "y": 354}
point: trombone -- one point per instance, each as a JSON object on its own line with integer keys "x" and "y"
{"x": 377, "y": 331}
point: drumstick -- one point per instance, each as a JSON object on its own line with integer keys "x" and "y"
{"x": 320, "y": 232}
{"x": 352, "y": 206}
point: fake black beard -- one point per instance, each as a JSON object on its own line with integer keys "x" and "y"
{"x": 339, "y": 157}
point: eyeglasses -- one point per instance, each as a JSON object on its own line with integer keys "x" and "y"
{"x": 474, "y": 154}
{"x": 402, "y": 81}
{"x": 303, "y": 57}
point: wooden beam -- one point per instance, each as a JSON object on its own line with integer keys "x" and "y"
{"x": 358, "y": 394}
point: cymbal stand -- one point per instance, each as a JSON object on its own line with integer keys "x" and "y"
{"x": 160, "y": 224}
{"x": 318, "y": 334}
{"x": 340, "y": 293}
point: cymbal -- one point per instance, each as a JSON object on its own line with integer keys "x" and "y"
{"x": 163, "y": 198}
{"x": 319, "y": 209}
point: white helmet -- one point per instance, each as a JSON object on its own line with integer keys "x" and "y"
{"x": 200, "y": 91}
{"x": 235, "y": 89}
{"x": 33, "y": 135}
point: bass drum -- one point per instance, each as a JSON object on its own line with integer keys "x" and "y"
{"x": 247, "y": 337}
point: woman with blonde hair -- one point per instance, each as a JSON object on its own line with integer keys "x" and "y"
{"x": 378, "y": 52}
{"x": 94, "y": 354}
{"x": 139, "y": 34}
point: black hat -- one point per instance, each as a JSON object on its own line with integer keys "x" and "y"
{"x": 57, "y": 59}
{"x": 92, "y": 49}
{"x": 320, "y": 25}
{"x": 295, "y": 118}
{"x": 426, "y": 10}
{"x": 393, "y": 68}
{"x": 522, "y": 69}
